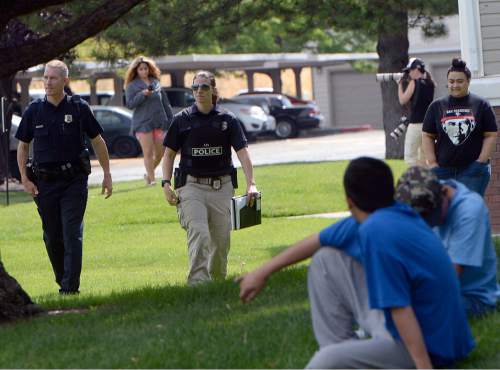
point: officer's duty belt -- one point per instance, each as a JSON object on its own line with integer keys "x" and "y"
{"x": 61, "y": 172}
{"x": 214, "y": 182}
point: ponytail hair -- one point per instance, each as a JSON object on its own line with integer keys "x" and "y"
{"x": 211, "y": 77}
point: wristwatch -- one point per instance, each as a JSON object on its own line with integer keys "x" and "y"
{"x": 163, "y": 182}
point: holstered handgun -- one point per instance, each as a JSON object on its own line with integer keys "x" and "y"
{"x": 180, "y": 178}
{"x": 84, "y": 161}
{"x": 31, "y": 171}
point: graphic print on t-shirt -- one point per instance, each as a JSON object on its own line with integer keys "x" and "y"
{"x": 458, "y": 124}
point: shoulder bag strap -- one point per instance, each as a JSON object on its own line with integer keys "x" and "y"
{"x": 75, "y": 100}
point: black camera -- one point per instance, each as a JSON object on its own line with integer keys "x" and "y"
{"x": 400, "y": 129}
{"x": 385, "y": 77}
{"x": 151, "y": 87}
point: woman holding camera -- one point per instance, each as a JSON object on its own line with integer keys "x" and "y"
{"x": 460, "y": 132}
{"x": 419, "y": 93}
{"x": 152, "y": 112}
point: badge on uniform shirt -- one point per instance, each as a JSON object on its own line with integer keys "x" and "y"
{"x": 68, "y": 118}
{"x": 223, "y": 126}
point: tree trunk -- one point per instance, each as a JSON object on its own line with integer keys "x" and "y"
{"x": 392, "y": 48}
{"x": 14, "y": 302}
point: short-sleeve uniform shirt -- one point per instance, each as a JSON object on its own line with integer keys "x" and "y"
{"x": 57, "y": 131}
{"x": 205, "y": 140}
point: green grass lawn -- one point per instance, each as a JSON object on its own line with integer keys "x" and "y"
{"x": 138, "y": 312}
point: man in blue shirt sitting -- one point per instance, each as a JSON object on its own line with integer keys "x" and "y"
{"x": 463, "y": 223}
{"x": 382, "y": 259}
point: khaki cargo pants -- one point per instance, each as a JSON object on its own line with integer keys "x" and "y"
{"x": 413, "y": 153}
{"x": 205, "y": 213}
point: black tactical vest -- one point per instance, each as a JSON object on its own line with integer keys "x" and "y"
{"x": 206, "y": 145}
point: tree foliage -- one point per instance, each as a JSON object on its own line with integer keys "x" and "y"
{"x": 242, "y": 26}
{"x": 228, "y": 26}
{"x": 59, "y": 29}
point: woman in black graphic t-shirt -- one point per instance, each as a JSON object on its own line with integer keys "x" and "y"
{"x": 459, "y": 133}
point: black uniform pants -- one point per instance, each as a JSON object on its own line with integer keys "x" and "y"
{"x": 61, "y": 205}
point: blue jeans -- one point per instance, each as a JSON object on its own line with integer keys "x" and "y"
{"x": 475, "y": 176}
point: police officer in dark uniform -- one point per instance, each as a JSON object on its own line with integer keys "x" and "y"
{"x": 205, "y": 179}
{"x": 58, "y": 178}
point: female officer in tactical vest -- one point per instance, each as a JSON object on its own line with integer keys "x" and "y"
{"x": 204, "y": 134}
{"x": 57, "y": 125}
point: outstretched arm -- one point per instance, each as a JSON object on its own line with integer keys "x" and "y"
{"x": 411, "y": 335}
{"x": 253, "y": 282}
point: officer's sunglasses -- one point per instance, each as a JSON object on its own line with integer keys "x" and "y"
{"x": 203, "y": 87}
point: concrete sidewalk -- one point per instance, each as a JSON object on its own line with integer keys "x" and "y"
{"x": 317, "y": 146}
{"x": 324, "y": 215}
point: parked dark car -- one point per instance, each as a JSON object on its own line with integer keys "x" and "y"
{"x": 289, "y": 118}
{"x": 293, "y": 99}
{"x": 103, "y": 97}
{"x": 254, "y": 121}
{"x": 118, "y": 134}
{"x": 116, "y": 123}
{"x": 179, "y": 97}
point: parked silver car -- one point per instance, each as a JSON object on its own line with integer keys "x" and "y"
{"x": 13, "y": 142}
{"x": 16, "y": 120}
{"x": 253, "y": 119}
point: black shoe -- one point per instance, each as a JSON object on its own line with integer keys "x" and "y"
{"x": 68, "y": 292}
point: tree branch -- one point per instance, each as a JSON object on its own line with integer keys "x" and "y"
{"x": 13, "y": 9}
{"x": 34, "y": 52}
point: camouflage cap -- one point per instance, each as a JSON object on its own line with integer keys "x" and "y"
{"x": 419, "y": 187}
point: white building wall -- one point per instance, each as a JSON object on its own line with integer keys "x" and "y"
{"x": 348, "y": 98}
{"x": 489, "y": 11}
{"x": 321, "y": 93}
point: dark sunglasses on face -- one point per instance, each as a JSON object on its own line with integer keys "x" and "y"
{"x": 203, "y": 87}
